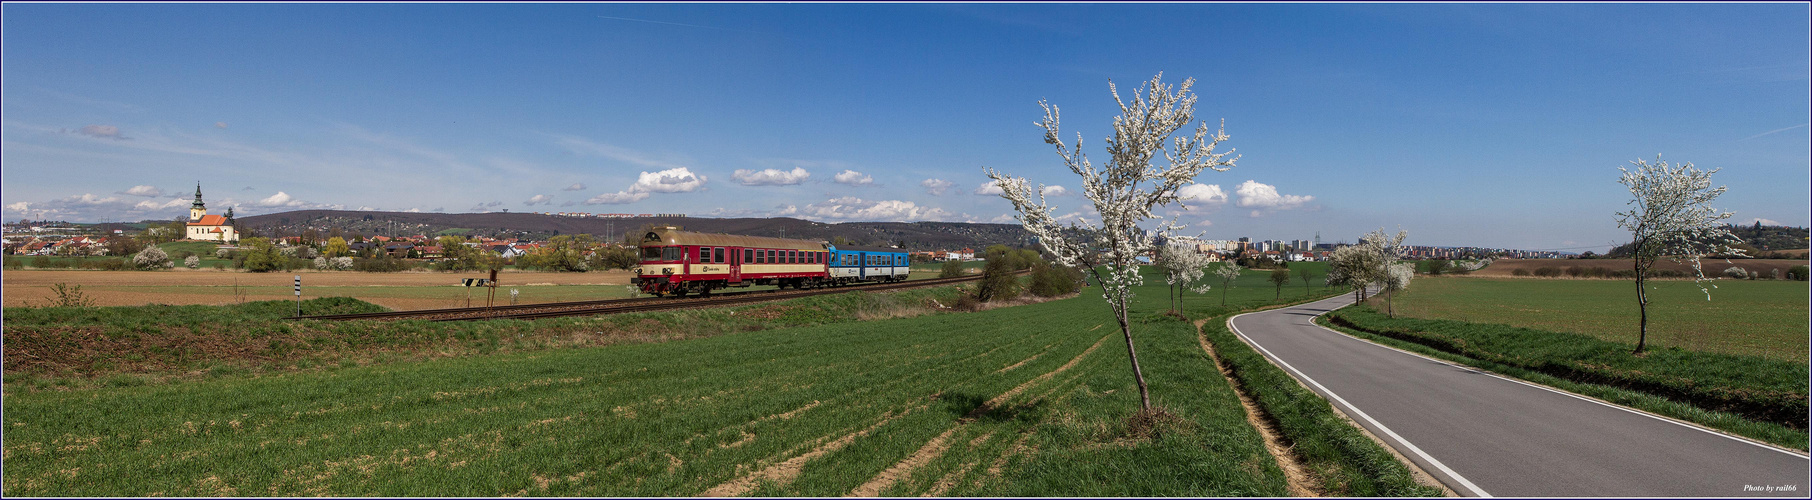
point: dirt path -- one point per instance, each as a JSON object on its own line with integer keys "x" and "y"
{"x": 1296, "y": 475}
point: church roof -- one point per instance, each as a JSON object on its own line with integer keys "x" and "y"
{"x": 210, "y": 220}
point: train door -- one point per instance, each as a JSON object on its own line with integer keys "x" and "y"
{"x": 861, "y": 266}
{"x": 735, "y": 265}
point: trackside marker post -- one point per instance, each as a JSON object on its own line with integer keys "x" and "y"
{"x": 298, "y": 295}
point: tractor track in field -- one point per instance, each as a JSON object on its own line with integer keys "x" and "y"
{"x": 619, "y": 306}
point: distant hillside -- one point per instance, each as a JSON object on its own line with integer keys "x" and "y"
{"x": 1757, "y": 237}
{"x": 908, "y": 235}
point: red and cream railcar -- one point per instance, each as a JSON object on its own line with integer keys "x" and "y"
{"x": 682, "y": 262}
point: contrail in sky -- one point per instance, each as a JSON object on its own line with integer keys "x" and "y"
{"x": 1776, "y": 131}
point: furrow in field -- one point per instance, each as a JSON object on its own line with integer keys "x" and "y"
{"x": 784, "y": 472}
{"x": 924, "y": 455}
{"x": 936, "y": 446}
{"x": 1003, "y": 397}
{"x": 951, "y": 479}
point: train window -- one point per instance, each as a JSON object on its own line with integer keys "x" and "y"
{"x": 772, "y": 258}
{"x": 792, "y": 257}
{"x": 748, "y": 256}
{"x": 651, "y": 253}
{"x": 671, "y": 253}
{"x": 719, "y": 255}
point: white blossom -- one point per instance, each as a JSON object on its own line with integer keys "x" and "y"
{"x": 151, "y": 257}
{"x": 192, "y": 262}
{"x": 1124, "y": 191}
{"x": 1670, "y": 214}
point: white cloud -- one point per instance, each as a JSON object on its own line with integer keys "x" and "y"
{"x": 936, "y": 187}
{"x": 617, "y": 198}
{"x": 672, "y": 180}
{"x": 853, "y": 208}
{"x": 989, "y": 188}
{"x": 1055, "y": 191}
{"x": 219, "y": 124}
{"x": 540, "y": 199}
{"x": 152, "y": 205}
{"x": 90, "y": 199}
{"x": 1203, "y": 194}
{"x": 281, "y": 199}
{"x": 854, "y": 178}
{"x": 1204, "y": 223}
{"x": 1765, "y": 222}
{"x": 770, "y": 177}
{"x": 574, "y": 187}
{"x": 1264, "y": 196}
{"x": 19, "y": 207}
{"x": 145, "y": 191}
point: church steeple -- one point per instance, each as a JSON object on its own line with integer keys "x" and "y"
{"x": 197, "y": 209}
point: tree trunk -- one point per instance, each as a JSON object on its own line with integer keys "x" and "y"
{"x": 1642, "y": 303}
{"x": 1126, "y": 331}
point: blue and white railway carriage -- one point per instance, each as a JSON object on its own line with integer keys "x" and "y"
{"x": 852, "y": 264}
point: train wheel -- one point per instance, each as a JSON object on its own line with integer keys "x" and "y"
{"x": 679, "y": 292}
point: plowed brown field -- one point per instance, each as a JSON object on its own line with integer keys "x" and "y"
{"x": 402, "y": 291}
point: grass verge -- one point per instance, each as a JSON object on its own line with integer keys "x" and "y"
{"x": 1774, "y": 433}
{"x": 1339, "y": 458}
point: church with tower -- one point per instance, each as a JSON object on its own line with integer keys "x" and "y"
{"x": 210, "y": 227}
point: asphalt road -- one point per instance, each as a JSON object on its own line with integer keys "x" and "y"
{"x": 1483, "y": 435}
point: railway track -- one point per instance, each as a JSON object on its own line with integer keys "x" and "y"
{"x": 618, "y": 306}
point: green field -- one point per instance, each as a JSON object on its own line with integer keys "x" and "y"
{"x": 1028, "y": 400}
{"x": 1754, "y": 318}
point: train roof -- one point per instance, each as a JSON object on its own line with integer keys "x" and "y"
{"x": 669, "y": 235}
{"x": 843, "y": 248}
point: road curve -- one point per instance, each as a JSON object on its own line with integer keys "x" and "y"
{"x": 1484, "y": 435}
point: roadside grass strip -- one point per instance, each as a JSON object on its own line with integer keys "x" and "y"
{"x": 1339, "y": 458}
{"x": 1755, "y": 388}
{"x": 1733, "y": 424}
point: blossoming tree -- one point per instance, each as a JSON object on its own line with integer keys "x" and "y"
{"x": 1183, "y": 266}
{"x": 1124, "y": 192}
{"x": 1670, "y": 215}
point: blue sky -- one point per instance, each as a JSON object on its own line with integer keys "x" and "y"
{"x": 1466, "y": 124}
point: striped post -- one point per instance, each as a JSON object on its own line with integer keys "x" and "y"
{"x": 298, "y": 295}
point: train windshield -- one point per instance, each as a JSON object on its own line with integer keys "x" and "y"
{"x": 660, "y": 253}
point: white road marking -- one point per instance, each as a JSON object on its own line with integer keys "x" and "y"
{"x": 1476, "y": 491}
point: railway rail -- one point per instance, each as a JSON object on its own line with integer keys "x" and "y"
{"x": 618, "y": 306}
